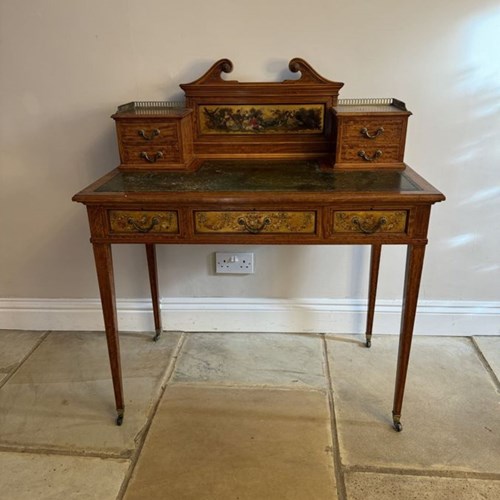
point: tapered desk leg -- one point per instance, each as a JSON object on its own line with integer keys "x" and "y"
{"x": 372, "y": 291}
{"x": 153, "y": 281}
{"x": 104, "y": 266}
{"x": 414, "y": 264}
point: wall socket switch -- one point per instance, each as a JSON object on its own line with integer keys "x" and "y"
{"x": 233, "y": 263}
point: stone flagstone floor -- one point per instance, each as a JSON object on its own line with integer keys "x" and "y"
{"x": 249, "y": 417}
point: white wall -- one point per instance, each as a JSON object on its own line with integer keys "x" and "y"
{"x": 67, "y": 64}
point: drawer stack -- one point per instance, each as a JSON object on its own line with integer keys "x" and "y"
{"x": 154, "y": 136}
{"x": 370, "y": 133}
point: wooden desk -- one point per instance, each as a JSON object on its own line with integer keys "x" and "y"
{"x": 258, "y": 202}
{"x": 261, "y": 163}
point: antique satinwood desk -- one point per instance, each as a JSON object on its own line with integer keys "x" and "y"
{"x": 261, "y": 163}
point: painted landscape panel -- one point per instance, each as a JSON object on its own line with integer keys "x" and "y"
{"x": 262, "y": 119}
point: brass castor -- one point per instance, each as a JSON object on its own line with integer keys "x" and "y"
{"x": 396, "y": 419}
{"x": 398, "y": 426}
{"x": 368, "y": 343}
{"x": 119, "y": 419}
{"x": 157, "y": 335}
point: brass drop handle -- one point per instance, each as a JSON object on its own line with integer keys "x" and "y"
{"x": 156, "y": 157}
{"x": 374, "y": 156}
{"x": 154, "y": 133}
{"x": 364, "y": 132}
{"x": 365, "y": 228}
{"x": 143, "y": 229}
{"x": 254, "y": 227}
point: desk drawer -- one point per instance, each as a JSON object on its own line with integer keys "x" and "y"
{"x": 352, "y": 152}
{"x": 150, "y": 133}
{"x": 141, "y": 221}
{"x": 370, "y": 221}
{"x": 157, "y": 155}
{"x": 255, "y": 222}
{"x": 373, "y": 129}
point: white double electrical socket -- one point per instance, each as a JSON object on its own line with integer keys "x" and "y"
{"x": 234, "y": 263}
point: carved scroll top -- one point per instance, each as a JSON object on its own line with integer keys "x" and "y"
{"x": 296, "y": 65}
{"x": 307, "y": 73}
{"x": 213, "y": 75}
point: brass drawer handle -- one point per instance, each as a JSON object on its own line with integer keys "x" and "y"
{"x": 375, "y": 155}
{"x": 364, "y": 228}
{"x": 143, "y": 229}
{"x": 364, "y": 132}
{"x": 254, "y": 227}
{"x": 156, "y": 157}
{"x": 154, "y": 133}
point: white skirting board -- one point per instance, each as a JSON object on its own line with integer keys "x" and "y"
{"x": 342, "y": 316}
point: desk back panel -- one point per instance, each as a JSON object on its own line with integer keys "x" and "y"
{"x": 289, "y": 119}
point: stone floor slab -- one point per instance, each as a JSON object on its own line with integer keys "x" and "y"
{"x": 15, "y": 345}
{"x": 490, "y": 349}
{"x": 257, "y": 359}
{"x": 62, "y": 396}
{"x": 450, "y": 412}
{"x": 56, "y": 477}
{"x": 372, "y": 486}
{"x": 246, "y": 444}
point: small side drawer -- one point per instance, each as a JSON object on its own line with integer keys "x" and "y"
{"x": 152, "y": 155}
{"x": 371, "y": 153}
{"x": 138, "y": 133}
{"x": 255, "y": 222}
{"x": 141, "y": 221}
{"x": 373, "y": 129}
{"x": 370, "y": 221}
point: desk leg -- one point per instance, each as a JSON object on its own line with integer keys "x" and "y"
{"x": 104, "y": 266}
{"x": 414, "y": 264}
{"x": 372, "y": 291}
{"x": 153, "y": 281}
